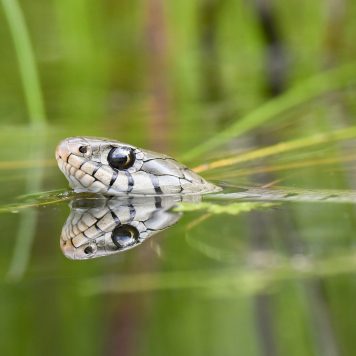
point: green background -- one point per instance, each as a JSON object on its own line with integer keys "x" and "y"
{"x": 169, "y": 76}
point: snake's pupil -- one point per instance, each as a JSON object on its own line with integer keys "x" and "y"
{"x": 121, "y": 157}
{"x": 124, "y": 236}
{"x": 83, "y": 149}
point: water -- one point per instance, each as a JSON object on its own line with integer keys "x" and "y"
{"x": 224, "y": 275}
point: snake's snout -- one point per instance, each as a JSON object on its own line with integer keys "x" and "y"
{"x": 62, "y": 151}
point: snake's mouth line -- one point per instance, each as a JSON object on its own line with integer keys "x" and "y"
{"x": 78, "y": 178}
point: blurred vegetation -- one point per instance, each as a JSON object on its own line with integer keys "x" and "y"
{"x": 252, "y": 92}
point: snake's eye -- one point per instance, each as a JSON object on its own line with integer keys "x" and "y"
{"x": 124, "y": 236}
{"x": 83, "y": 149}
{"x": 88, "y": 250}
{"x": 121, "y": 157}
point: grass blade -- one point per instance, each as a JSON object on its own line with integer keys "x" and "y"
{"x": 312, "y": 88}
{"x": 26, "y": 60}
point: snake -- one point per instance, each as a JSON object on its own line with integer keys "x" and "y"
{"x": 138, "y": 189}
{"x": 113, "y": 168}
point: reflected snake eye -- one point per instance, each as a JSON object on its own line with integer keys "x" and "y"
{"x": 88, "y": 250}
{"x": 121, "y": 157}
{"x": 124, "y": 236}
{"x": 83, "y": 149}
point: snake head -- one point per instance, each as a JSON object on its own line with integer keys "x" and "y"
{"x": 115, "y": 168}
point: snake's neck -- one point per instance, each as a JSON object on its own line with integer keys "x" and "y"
{"x": 287, "y": 194}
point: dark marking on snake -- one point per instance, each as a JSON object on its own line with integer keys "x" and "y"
{"x": 96, "y": 169}
{"x": 68, "y": 157}
{"x": 158, "y": 202}
{"x": 132, "y": 212}
{"x": 130, "y": 182}
{"x": 156, "y": 158}
{"x": 181, "y": 185}
{"x": 155, "y": 184}
{"x": 98, "y": 228}
{"x": 82, "y": 164}
{"x": 113, "y": 178}
{"x": 115, "y": 217}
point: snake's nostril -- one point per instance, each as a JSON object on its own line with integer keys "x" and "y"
{"x": 62, "y": 151}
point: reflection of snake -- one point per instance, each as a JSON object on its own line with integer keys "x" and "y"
{"x": 114, "y": 168}
{"x": 108, "y": 226}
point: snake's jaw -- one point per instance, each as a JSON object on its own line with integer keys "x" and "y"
{"x": 89, "y": 166}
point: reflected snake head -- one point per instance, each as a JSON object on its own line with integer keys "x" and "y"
{"x": 114, "y": 225}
